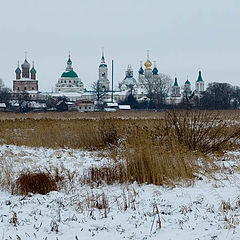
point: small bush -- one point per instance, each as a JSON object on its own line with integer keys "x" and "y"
{"x": 39, "y": 182}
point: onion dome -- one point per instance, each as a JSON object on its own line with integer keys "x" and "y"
{"x": 33, "y": 70}
{"x": 148, "y": 64}
{"x": 187, "y": 83}
{"x": 175, "y": 82}
{"x": 25, "y": 64}
{"x": 18, "y": 70}
{"x": 155, "y": 71}
{"x": 141, "y": 71}
{"x": 70, "y": 74}
{"x": 200, "y": 77}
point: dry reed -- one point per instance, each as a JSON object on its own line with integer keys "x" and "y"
{"x": 163, "y": 150}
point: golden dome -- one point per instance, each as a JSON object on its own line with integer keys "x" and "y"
{"x": 148, "y": 64}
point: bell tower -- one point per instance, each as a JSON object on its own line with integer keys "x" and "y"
{"x": 103, "y": 74}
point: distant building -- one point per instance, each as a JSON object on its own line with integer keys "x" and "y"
{"x": 2, "y": 107}
{"x": 69, "y": 80}
{"x": 175, "y": 89}
{"x": 187, "y": 91}
{"x": 199, "y": 83}
{"x": 129, "y": 82}
{"x": 84, "y": 105}
{"x": 26, "y": 83}
{"x": 103, "y": 82}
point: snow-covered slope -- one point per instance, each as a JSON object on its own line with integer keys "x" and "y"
{"x": 210, "y": 209}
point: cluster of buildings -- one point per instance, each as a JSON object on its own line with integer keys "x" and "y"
{"x": 71, "y": 87}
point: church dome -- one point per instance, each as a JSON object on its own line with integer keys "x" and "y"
{"x": 200, "y": 77}
{"x": 175, "y": 82}
{"x": 70, "y": 74}
{"x": 25, "y": 64}
{"x": 141, "y": 71}
{"x": 18, "y": 70}
{"x": 187, "y": 82}
{"x": 33, "y": 70}
{"x": 155, "y": 71}
{"x": 148, "y": 64}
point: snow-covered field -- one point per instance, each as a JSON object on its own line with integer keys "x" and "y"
{"x": 209, "y": 209}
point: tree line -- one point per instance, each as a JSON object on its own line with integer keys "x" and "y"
{"x": 216, "y": 96}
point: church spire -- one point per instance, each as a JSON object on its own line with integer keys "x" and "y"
{"x": 103, "y": 63}
{"x": 175, "y": 82}
{"x": 103, "y": 58}
{"x": 69, "y": 63}
{"x": 199, "y": 76}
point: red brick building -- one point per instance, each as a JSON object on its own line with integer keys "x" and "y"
{"x": 25, "y": 82}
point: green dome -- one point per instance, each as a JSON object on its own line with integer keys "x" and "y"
{"x": 200, "y": 77}
{"x": 175, "y": 83}
{"x": 70, "y": 74}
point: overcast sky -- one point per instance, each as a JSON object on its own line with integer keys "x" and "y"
{"x": 182, "y": 36}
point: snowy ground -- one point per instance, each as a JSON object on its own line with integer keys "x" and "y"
{"x": 210, "y": 209}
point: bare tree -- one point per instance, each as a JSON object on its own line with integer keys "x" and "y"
{"x": 98, "y": 91}
{"x": 158, "y": 88}
{"x": 4, "y": 94}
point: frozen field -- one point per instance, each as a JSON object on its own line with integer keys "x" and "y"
{"x": 209, "y": 209}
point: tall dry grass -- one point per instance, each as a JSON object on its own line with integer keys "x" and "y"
{"x": 168, "y": 151}
{"x": 162, "y": 150}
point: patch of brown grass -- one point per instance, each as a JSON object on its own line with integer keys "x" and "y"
{"x": 39, "y": 182}
{"x": 157, "y": 150}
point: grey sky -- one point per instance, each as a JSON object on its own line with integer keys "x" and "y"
{"x": 182, "y": 35}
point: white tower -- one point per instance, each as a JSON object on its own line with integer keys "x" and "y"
{"x": 187, "y": 91}
{"x": 176, "y": 89}
{"x": 103, "y": 75}
{"x": 200, "y": 83}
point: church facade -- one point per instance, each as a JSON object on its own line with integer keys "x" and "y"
{"x": 69, "y": 80}
{"x": 26, "y": 82}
